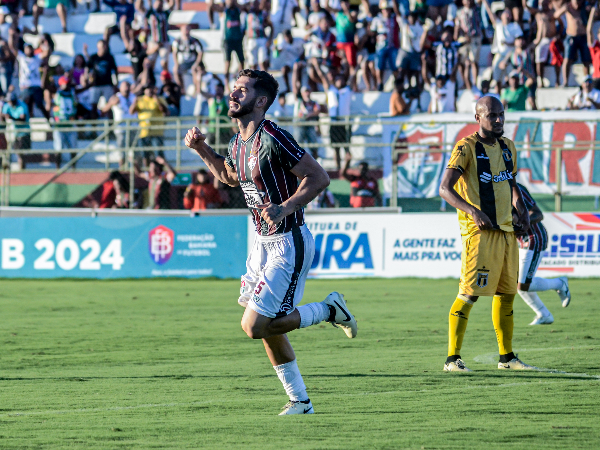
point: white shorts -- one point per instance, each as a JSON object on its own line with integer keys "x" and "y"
{"x": 529, "y": 261}
{"x": 542, "y": 51}
{"x": 276, "y": 272}
{"x": 257, "y": 51}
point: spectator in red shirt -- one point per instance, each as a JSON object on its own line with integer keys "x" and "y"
{"x": 594, "y": 46}
{"x": 108, "y": 196}
{"x": 364, "y": 191}
{"x": 201, "y": 194}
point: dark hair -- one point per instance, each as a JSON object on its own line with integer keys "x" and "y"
{"x": 50, "y": 41}
{"x": 221, "y": 85}
{"x": 157, "y": 164}
{"x": 265, "y": 84}
{"x": 116, "y": 175}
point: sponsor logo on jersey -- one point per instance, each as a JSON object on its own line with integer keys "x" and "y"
{"x": 252, "y": 195}
{"x": 503, "y": 176}
{"x": 485, "y": 177}
{"x": 160, "y": 244}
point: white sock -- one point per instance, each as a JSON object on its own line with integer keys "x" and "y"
{"x": 290, "y": 377}
{"x": 534, "y": 302}
{"x": 313, "y": 313}
{"x": 545, "y": 284}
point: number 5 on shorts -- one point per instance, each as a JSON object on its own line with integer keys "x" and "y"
{"x": 259, "y": 287}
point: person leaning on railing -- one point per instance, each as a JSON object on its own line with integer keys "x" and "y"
{"x": 219, "y": 134}
{"x": 16, "y": 111}
{"x": 201, "y": 194}
{"x": 364, "y": 191}
{"x": 150, "y": 107}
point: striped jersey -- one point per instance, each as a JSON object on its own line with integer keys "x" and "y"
{"x": 263, "y": 164}
{"x": 445, "y": 60}
{"x": 486, "y": 172}
{"x": 537, "y": 236}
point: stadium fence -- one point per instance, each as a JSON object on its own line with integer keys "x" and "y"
{"x": 418, "y": 147}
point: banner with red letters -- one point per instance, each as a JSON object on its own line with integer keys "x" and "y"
{"x": 419, "y": 173}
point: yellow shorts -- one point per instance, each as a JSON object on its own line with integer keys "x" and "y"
{"x": 489, "y": 263}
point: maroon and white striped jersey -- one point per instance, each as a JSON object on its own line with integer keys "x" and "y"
{"x": 263, "y": 164}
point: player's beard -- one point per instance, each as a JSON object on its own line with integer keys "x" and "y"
{"x": 493, "y": 133}
{"x": 243, "y": 111}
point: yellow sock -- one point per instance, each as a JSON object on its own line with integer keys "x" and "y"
{"x": 459, "y": 315}
{"x": 502, "y": 317}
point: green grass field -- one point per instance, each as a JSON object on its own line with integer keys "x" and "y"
{"x": 165, "y": 364}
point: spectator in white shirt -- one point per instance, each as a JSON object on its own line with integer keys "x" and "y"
{"x": 587, "y": 98}
{"x": 314, "y": 17}
{"x": 282, "y": 14}
{"x": 279, "y": 109}
{"x": 30, "y": 80}
{"x": 505, "y": 33}
{"x": 411, "y": 31}
{"x": 443, "y": 95}
{"x": 206, "y": 88}
{"x": 339, "y": 101}
{"x": 290, "y": 57}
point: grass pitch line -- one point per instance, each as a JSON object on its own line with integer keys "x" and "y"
{"x": 114, "y": 408}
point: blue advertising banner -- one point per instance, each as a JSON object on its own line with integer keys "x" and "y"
{"x": 123, "y": 247}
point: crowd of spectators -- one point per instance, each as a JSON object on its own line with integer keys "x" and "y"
{"x": 347, "y": 46}
{"x": 411, "y": 46}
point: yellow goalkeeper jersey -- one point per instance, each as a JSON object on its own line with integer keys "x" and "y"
{"x": 486, "y": 171}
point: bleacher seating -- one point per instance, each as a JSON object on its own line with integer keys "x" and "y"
{"x": 86, "y": 28}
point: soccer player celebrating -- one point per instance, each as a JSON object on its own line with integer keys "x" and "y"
{"x": 483, "y": 166}
{"x": 531, "y": 246}
{"x": 266, "y": 162}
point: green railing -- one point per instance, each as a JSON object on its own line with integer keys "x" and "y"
{"x": 174, "y": 129}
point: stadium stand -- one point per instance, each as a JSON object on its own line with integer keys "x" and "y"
{"x": 316, "y": 30}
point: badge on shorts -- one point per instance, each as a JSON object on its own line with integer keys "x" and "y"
{"x": 482, "y": 278}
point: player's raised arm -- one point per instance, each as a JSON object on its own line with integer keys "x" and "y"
{"x": 195, "y": 140}
{"x": 447, "y": 192}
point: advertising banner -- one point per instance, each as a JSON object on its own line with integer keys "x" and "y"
{"x": 573, "y": 245}
{"x": 122, "y": 247}
{"x": 419, "y": 174}
{"x": 429, "y": 245}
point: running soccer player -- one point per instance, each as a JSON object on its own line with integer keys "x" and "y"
{"x": 531, "y": 246}
{"x": 483, "y": 167}
{"x": 266, "y": 162}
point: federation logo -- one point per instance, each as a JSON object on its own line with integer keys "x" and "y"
{"x": 160, "y": 244}
{"x": 482, "y": 278}
{"x": 506, "y": 153}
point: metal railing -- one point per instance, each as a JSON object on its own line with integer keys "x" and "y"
{"x": 101, "y": 135}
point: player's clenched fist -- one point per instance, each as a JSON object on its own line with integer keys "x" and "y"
{"x": 194, "y": 138}
{"x": 272, "y": 213}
